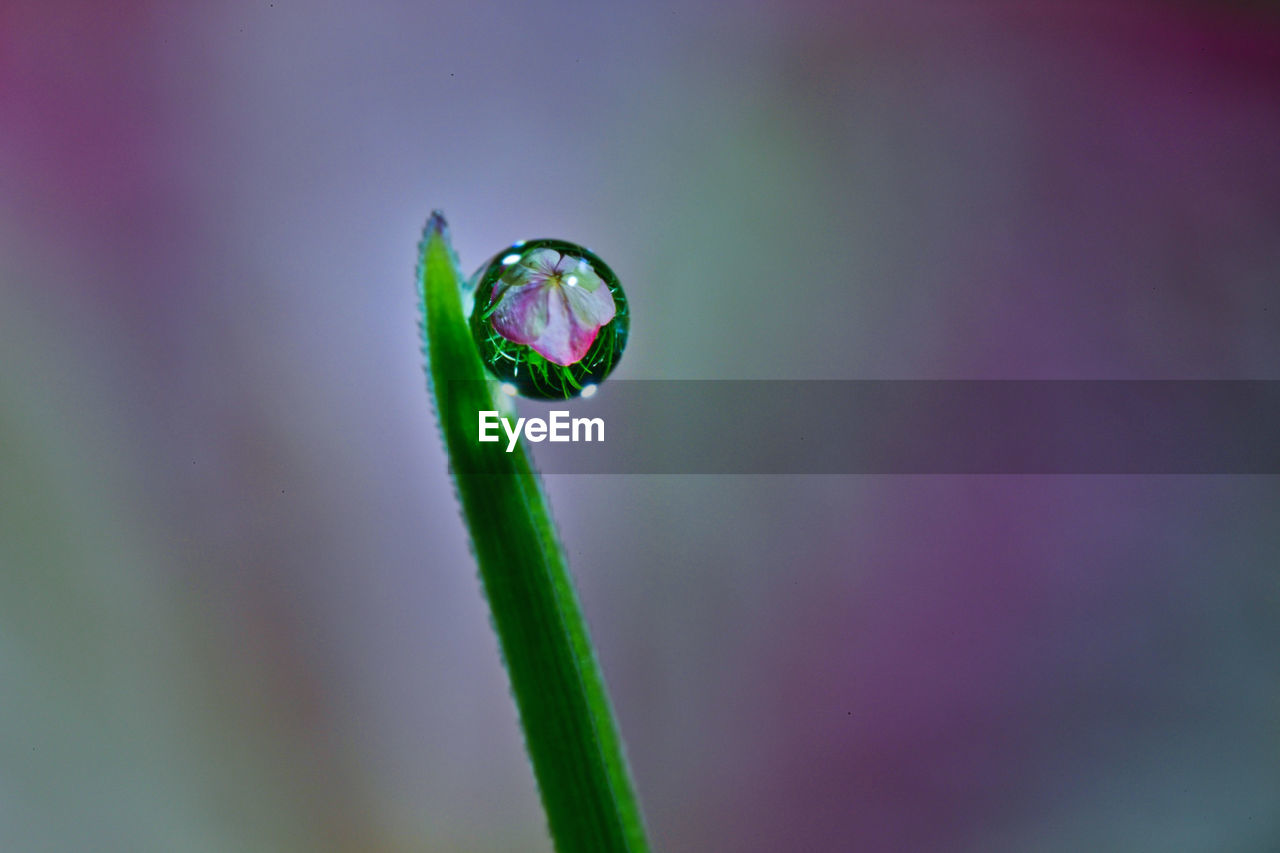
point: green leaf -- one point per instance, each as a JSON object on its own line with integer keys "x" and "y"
{"x": 568, "y": 723}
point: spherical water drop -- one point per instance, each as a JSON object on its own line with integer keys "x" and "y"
{"x": 550, "y": 318}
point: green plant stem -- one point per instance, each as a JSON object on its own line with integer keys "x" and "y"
{"x": 568, "y": 723}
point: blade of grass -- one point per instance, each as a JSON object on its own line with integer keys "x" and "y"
{"x": 568, "y": 722}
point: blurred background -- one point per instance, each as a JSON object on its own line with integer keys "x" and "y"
{"x": 237, "y": 607}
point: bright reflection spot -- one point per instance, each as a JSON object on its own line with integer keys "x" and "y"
{"x": 508, "y": 389}
{"x": 571, "y": 280}
{"x": 589, "y": 390}
{"x": 510, "y": 259}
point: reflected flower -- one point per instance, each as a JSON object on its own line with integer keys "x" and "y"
{"x": 553, "y": 303}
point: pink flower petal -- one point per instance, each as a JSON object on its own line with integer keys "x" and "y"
{"x": 542, "y": 262}
{"x": 522, "y": 313}
{"x": 567, "y": 264}
{"x": 563, "y": 340}
{"x": 590, "y": 308}
{"x": 581, "y": 275}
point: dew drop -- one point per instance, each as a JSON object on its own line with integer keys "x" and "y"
{"x": 549, "y": 318}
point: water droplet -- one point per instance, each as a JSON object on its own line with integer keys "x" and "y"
{"x": 554, "y": 309}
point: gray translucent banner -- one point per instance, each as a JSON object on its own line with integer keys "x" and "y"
{"x": 912, "y": 427}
